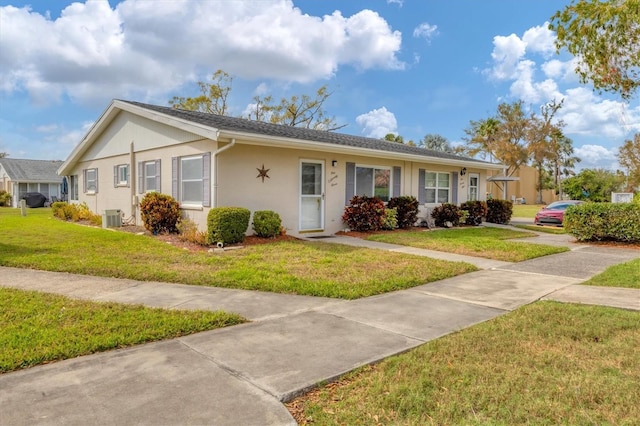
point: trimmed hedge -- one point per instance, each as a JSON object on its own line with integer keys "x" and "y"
{"x": 227, "y": 225}
{"x": 160, "y": 213}
{"x": 266, "y": 223}
{"x": 447, "y": 212}
{"x": 407, "y": 208}
{"x": 476, "y": 211}
{"x": 499, "y": 211}
{"x": 604, "y": 222}
{"x": 364, "y": 214}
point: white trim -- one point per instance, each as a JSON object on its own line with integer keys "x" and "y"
{"x": 320, "y": 197}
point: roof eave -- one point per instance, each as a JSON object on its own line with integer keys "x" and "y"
{"x": 112, "y": 111}
{"x": 282, "y": 142}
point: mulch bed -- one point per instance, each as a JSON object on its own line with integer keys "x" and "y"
{"x": 175, "y": 240}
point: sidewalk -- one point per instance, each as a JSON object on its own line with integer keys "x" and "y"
{"x": 239, "y": 375}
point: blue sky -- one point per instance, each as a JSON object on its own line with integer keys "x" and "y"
{"x": 411, "y": 67}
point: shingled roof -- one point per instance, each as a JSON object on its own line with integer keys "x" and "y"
{"x": 232, "y": 124}
{"x": 20, "y": 170}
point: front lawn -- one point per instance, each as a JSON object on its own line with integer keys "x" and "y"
{"x": 526, "y": 210}
{"x": 545, "y": 363}
{"x": 481, "y": 241}
{"x": 39, "y": 241}
{"x": 623, "y": 275}
{"x": 546, "y": 229}
{"x": 38, "y": 328}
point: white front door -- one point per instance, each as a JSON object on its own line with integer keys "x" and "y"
{"x": 474, "y": 183}
{"x": 311, "y": 195}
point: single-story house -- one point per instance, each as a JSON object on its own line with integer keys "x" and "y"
{"x": 206, "y": 161}
{"x": 18, "y": 177}
{"x": 520, "y": 187}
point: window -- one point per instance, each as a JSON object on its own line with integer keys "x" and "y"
{"x": 474, "y": 178}
{"x": 191, "y": 177}
{"x": 437, "y": 188}
{"x": 73, "y": 188}
{"x": 372, "y": 181}
{"x": 149, "y": 176}
{"x": 121, "y": 175}
{"x": 90, "y": 180}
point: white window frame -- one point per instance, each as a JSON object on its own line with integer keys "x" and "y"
{"x": 121, "y": 180}
{"x": 147, "y": 176}
{"x": 182, "y": 181}
{"x": 437, "y": 187}
{"x": 388, "y": 169}
{"x": 73, "y": 188}
{"x": 91, "y": 183}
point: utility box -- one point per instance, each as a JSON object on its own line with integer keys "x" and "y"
{"x": 112, "y": 218}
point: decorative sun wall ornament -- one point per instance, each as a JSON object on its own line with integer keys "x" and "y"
{"x": 263, "y": 173}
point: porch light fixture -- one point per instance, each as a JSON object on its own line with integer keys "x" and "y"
{"x": 334, "y": 163}
{"x": 463, "y": 171}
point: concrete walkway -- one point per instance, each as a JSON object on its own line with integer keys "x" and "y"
{"x": 240, "y": 375}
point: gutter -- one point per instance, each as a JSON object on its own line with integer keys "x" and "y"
{"x": 215, "y": 171}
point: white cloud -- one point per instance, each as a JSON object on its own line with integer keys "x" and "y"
{"x": 425, "y": 31}
{"x": 596, "y": 156}
{"x": 506, "y": 54}
{"x": 95, "y": 52}
{"x": 540, "y": 40}
{"x": 398, "y": 2}
{"x": 585, "y": 113}
{"x": 377, "y": 123}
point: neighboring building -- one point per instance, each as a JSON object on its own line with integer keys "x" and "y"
{"x": 520, "y": 186}
{"x": 205, "y": 161}
{"x": 18, "y": 177}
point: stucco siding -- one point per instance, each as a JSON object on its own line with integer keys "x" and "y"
{"x": 144, "y": 133}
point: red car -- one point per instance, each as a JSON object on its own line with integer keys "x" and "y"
{"x": 553, "y": 214}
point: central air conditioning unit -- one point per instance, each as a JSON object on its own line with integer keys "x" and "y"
{"x": 112, "y": 218}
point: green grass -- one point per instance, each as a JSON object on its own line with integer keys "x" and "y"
{"x": 545, "y": 363}
{"x": 39, "y": 328}
{"x": 526, "y": 210}
{"x": 485, "y": 242}
{"x": 39, "y": 241}
{"x": 625, "y": 275}
{"x": 546, "y": 229}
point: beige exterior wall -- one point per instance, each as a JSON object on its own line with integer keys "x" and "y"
{"x": 235, "y": 170}
{"x": 523, "y": 188}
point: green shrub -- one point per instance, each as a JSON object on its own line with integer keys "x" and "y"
{"x": 476, "y": 211}
{"x": 75, "y": 213}
{"x": 390, "y": 219}
{"x": 604, "y": 222}
{"x": 364, "y": 213}
{"x": 446, "y": 214}
{"x": 5, "y": 198}
{"x": 636, "y": 198}
{"x": 499, "y": 211}
{"x": 267, "y": 223}
{"x": 188, "y": 231}
{"x": 407, "y": 208}
{"x": 160, "y": 213}
{"x": 227, "y": 225}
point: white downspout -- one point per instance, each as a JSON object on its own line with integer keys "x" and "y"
{"x": 133, "y": 182}
{"x": 215, "y": 172}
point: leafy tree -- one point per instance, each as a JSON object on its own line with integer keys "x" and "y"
{"x": 436, "y": 143}
{"x": 302, "y": 111}
{"x": 392, "y": 137}
{"x": 298, "y": 111}
{"x": 213, "y": 96}
{"x": 605, "y": 36}
{"x": 540, "y": 130}
{"x": 629, "y": 158}
{"x": 562, "y": 159}
{"x": 3, "y": 154}
{"x": 502, "y": 138}
{"x": 593, "y": 185}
